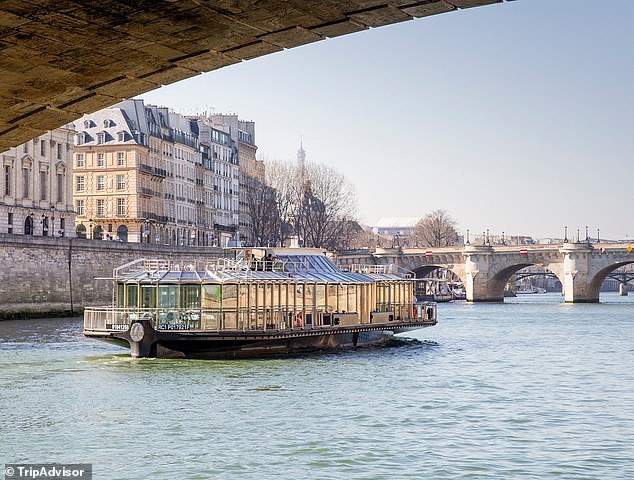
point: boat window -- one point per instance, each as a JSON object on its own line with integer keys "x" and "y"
{"x": 352, "y": 298}
{"x": 230, "y": 296}
{"x": 267, "y": 295}
{"x": 148, "y": 296}
{"x": 332, "y": 297}
{"x": 260, "y": 295}
{"x": 211, "y": 296}
{"x": 168, "y": 296}
{"x": 284, "y": 296}
{"x": 120, "y": 295}
{"x": 309, "y": 295}
{"x": 244, "y": 296}
{"x": 342, "y": 294}
{"x": 190, "y": 296}
{"x": 320, "y": 296}
{"x": 132, "y": 297}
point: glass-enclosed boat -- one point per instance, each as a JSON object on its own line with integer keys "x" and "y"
{"x": 259, "y": 302}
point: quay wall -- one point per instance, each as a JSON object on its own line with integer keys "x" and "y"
{"x": 44, "y": 276}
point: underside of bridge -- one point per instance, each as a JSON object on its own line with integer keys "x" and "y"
{"x": 61, "y": 59}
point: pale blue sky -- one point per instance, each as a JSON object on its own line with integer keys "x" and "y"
{"x": 515, "y": 117}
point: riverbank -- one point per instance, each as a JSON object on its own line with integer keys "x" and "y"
{"x": 50, "y": 277}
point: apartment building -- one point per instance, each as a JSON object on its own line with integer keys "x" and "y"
{"x": 36, "y": 186}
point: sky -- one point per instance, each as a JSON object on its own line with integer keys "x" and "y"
{"x": 515, "y": 117}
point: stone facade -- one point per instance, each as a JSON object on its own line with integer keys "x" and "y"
{"x": 147, "y": 175}
{"x": 36, "y": 186}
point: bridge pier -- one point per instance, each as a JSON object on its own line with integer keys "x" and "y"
{"x": 623, "y": 289}
{"x": 577, "y": 278}
{"x": 480, "y": 286}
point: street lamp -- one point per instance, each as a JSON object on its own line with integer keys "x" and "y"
{"x": 90, "y": 228}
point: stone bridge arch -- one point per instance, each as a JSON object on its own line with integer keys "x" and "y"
{"x": 502, "y": 277}
{"x": 597, "y": 278}
{"x": 484, "y": 270}
{"x": 61, "y": 60}
{"x": 488, "y": 270}
{"x": 423, "y": 265}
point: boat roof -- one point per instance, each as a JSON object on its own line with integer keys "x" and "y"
{"x": 282, "y": 266}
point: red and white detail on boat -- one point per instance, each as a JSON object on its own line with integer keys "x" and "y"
{"x": 523, "y": 252}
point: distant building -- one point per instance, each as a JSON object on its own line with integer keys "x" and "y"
{"x": 136, "y": 177}
{"x": 220, "y": 182}
{"x": 145, "y": 174}
{"x": 243, "y": 134}
{"x": 396, "y": 225}
{"x": 36, "y": 195}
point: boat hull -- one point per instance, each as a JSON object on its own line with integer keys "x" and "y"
{"x": 192, "y": 344}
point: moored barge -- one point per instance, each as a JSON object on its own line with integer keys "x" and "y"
{"x": 259, "y": 302}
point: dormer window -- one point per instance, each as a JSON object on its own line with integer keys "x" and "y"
{"x": 108, "y": 123}
{"x": 101, "y": 137}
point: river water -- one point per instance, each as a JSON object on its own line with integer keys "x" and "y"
{"x": 532, "y": 388}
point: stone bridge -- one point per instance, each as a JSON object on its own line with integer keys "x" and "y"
{"x": 64, "y": 58}
{"x": 485, "y": 270}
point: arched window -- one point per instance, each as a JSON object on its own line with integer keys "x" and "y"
{"x": 28, "y": 225}
{"x": 97, "y": 233}
{"x": 122, "y": 233}
{"x": 81, "y": 231}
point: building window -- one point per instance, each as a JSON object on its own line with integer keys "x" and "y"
{"x": 101, "y": 159}
{"x": 79, "y": 159}
{"x": 43, "y": 182}
{"x": 79, "y": 207}
{"x": 121, "y": 207}
{"x": 42, "y": 148}
{"x": 101, "y": 208}
{"x": 25, "y": 182}
{"x": 26, "y": 147}
{"x": 121, "y": 159}
{"x": 59, "y": 151}
{"x": 101, "y": 138}
{"x": 120, "y": 182}
{"x": 81, "y": 184}
{"x": 7, "y": 180}
{"x": 60, "y": 187}
{"x": 101, "y": 183}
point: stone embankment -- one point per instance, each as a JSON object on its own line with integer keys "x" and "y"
{"x": 43, "y": 276}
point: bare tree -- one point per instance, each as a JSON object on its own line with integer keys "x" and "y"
{"x": 263, "y": 211}
{"x": 284, "y": 179}
{"x": 436, "y": 229}
{"x": 325, "y": 208}
{"x": 316, "y": 203}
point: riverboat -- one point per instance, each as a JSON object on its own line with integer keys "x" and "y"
{"x": 258, "y": 302}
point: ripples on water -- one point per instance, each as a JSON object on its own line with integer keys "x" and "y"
{"x": 532, "y": 388}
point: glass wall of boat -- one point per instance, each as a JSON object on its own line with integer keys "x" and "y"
{"x": 268, "y": 295}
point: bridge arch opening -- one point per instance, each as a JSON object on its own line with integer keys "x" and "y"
{"x": 438, "y": 283}
{"x": 519, "y": 278}
{"x": 534, "y": 279}
{"x": 594, "y": 285}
